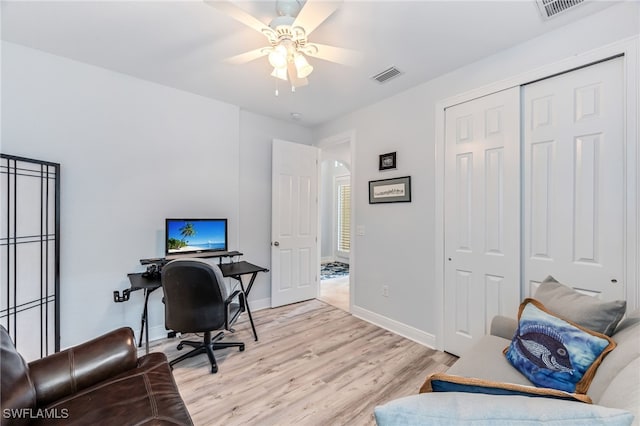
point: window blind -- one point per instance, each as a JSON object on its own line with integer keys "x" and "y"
{"x": 344, "y": 217}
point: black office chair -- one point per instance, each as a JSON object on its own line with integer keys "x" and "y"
{"x": 196, "y": 301}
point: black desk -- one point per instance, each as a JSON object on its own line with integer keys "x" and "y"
{"x": 236, "y": 270}
{"x": 233, "y": 270}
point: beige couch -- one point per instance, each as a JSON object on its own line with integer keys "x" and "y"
{"x": 615, "y": 389}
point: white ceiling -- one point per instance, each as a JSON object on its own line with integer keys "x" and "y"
{"x": 182, "y": 44}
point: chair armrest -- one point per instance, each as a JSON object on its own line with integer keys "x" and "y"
{"x": 230, "y": 317}
{"x": 79, "y": 367}
{"x": 504, "y": 327}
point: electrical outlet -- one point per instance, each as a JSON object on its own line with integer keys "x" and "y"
{"x": 385, "y": 290}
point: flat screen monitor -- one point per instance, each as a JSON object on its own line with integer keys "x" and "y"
{"x": 188, "y": 236}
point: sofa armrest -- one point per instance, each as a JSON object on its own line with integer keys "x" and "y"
{"x": 79, "y": 367}
{"x": 504, "y": 327}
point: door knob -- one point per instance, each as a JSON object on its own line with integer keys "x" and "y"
{"x": 276, "y": 244}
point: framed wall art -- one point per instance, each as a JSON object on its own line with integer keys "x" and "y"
{"x": 387, "y": 161}
{"x": 396, "y": 190}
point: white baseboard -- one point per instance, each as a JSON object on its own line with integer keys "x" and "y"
{"x": 155, "y": 333}
{"x": 259, "y": 304}
{"x": 411, "y": 333}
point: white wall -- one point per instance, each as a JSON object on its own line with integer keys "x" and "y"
{"x": 398, "y": 246}
{"x": 256, "y": 135}
{"x": 133, "y": 153}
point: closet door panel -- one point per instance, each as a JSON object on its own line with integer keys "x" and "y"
{"x": 541, "y": 182}
{"x": 482, "y": 210}
{"x": 574, "y": 180}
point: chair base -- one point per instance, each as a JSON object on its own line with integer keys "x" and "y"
{"x": 207, "y": 345}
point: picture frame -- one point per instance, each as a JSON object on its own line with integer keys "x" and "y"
{"x": 395, "y": 190}
{"x": 387, "y": 161}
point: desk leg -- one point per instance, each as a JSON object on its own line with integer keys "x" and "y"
{"x": 144, "y": 327}
{"x": 253, "y": 278}
{"x": 146, "y": 333}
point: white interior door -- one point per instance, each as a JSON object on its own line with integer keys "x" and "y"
{"x": 482, "y": 216}
{"x": 295, "y": 260}
{"x": 574, "y": 180}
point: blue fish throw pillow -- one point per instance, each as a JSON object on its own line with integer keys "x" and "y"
{"x": 555, "y": 353}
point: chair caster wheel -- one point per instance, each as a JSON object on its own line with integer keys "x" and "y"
{"x": 180, "y": 346}
{"x": 214, "y": 369}
{"x": 241, "y": 348}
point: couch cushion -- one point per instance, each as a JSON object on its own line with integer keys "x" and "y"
{"x": 16, "y": 389}
{"x": 631, "y": 320}
{"x": 624, "y": 390}
{"x": 486, "y": 360}
{"x": 454, "y": 408}
{"x": 145, "y": 395}
{"x": 584, "y": 310}
{"x": 555, "y": 353}
{"x": 627, "y": 337}
{"x": 502, "y": 326}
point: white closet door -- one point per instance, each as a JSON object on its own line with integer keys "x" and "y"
{"x": 482, "y": 216}
{"x": 574, "y": 180}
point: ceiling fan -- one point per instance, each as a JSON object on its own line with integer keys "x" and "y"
{"x": 287, "y": 37}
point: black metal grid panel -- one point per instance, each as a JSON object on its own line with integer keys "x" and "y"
{"x": 30, "y": 254}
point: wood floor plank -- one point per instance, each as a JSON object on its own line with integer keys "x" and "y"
{"x": 313, "y": 365}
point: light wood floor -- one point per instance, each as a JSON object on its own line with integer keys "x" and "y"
{"x": 313, "y": 365}
{"x": 335, "y": 291}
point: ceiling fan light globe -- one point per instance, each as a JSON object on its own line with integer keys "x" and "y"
{"x": 303, "y": 67}
{"x": 280, "y": 73}
{"x": 278, "y": 57}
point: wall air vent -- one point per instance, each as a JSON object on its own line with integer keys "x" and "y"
{"x": 387, "y": 75}
{"x": 550, "y": 8}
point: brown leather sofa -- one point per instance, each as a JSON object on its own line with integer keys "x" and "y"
{"x": 100, "y": 382}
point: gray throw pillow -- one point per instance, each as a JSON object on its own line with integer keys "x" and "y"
{"x": 586, "y": 311}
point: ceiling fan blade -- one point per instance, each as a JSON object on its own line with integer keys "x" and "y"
{"x": 293, "y": 76}
{"x": 240, "y": 15}
{"x": 314, "y": 13}
{"x": 249, "y": 56}
{"x": 338, "y": 55}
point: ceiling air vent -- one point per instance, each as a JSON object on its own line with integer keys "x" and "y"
{"x": 387, "y": 75}
{"x": 550, "y": 8}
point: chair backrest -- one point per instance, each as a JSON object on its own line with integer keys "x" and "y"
{"x": 194, "y": 295}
